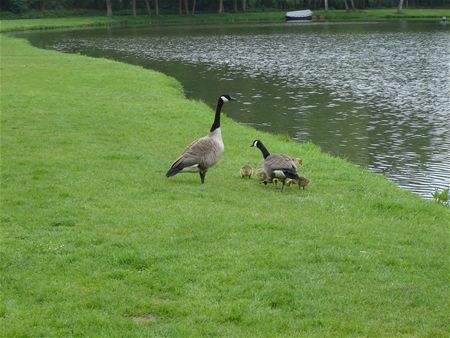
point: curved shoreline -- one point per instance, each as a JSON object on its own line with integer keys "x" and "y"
{"x": 93, "y": 232}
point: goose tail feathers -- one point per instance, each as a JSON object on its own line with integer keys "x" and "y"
{"x": 290, "y": 173}
{"x": 173, "y": 171}
{"x": 175, "y": 168}
{"x": 183, "y": 164}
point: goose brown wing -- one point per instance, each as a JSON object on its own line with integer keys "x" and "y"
{"x": 284, "y": 163}
{"x": 193, "y": 154}
{"x": 280, "y": 162}
{"x": 199, "y": 148}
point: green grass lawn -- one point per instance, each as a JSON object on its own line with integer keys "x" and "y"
{"x": 46, "y": 23}
{"x": 332, "y": 15}
{"x": 96, "y": 241}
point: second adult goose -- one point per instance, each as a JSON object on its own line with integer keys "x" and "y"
{"x": 277, "y": 166}
{"x": 203, "y": 152}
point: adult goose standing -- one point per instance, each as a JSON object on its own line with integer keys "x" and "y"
{"x": 203, "y": 152}
{"x": 276, "y": 166}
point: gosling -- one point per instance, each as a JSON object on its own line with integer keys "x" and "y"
{"x": 246, "y": 171}
{"x": 302, "y": 182}
{"x": 298, "y": 161}
{"x": 260, "y": 173}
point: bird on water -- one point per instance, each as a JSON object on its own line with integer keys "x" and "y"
{"x": 276, "y": 166}
{"x": 204, "y": 152}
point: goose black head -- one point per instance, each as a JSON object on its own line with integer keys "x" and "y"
{"x": 226, "y": 98}
{"x": 260, "y": 146}
{"x": 255, "y": 143}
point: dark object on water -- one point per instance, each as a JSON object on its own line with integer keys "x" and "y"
{"x": 443, "y": 21}
{"x": 305, "y": 15}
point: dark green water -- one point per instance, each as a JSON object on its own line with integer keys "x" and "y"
{"x": 375, "y": 93}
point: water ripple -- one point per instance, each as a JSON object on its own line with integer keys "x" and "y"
{"x": 378, "y": 96}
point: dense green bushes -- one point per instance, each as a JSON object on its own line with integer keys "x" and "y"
{"x": 53, "y": 8}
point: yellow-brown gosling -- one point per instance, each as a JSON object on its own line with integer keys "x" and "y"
{"x": 246, "y": 171}
{"x": 259, "y": 172}
{"x": 302, "y": 182}
{"x": 290, "y": 181}
{"x": 298, "y": 161}
{"x": 262, "y": 176}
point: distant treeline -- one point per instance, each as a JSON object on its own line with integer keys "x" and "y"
{"x": 190, "y": 6}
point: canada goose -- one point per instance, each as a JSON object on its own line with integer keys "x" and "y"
{"x": 277, "y": 166}
{"x": 203, "y": 152}
{"x": 246, "y": 171}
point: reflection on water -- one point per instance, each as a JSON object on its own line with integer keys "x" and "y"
{"x": 377, "y": 94}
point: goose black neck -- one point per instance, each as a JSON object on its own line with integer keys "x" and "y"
{"x": 216, "y": 123}
{"x": 263, "y": 149}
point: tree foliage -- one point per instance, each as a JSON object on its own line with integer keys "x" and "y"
{"x": 172, "y": 6}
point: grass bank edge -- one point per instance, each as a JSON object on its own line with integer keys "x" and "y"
{"x": 207, "y": 19}
{"x": 387, "y": 206}
{"x": 280, "y": 137}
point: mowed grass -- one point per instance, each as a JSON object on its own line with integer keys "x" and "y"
{"x": 385, "y": 14}
{"x": 140, "y": 20}
{"x": 97, "y": 241}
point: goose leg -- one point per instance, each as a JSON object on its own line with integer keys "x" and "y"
{"x": 266, "y": 181}
{"x": 282, "y": 187}
{"x": 202, "y": 176}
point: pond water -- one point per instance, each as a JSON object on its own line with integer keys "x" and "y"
{"x": 377, "y": 94}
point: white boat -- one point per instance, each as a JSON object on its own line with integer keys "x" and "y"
{"x": 299, "y": 15}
